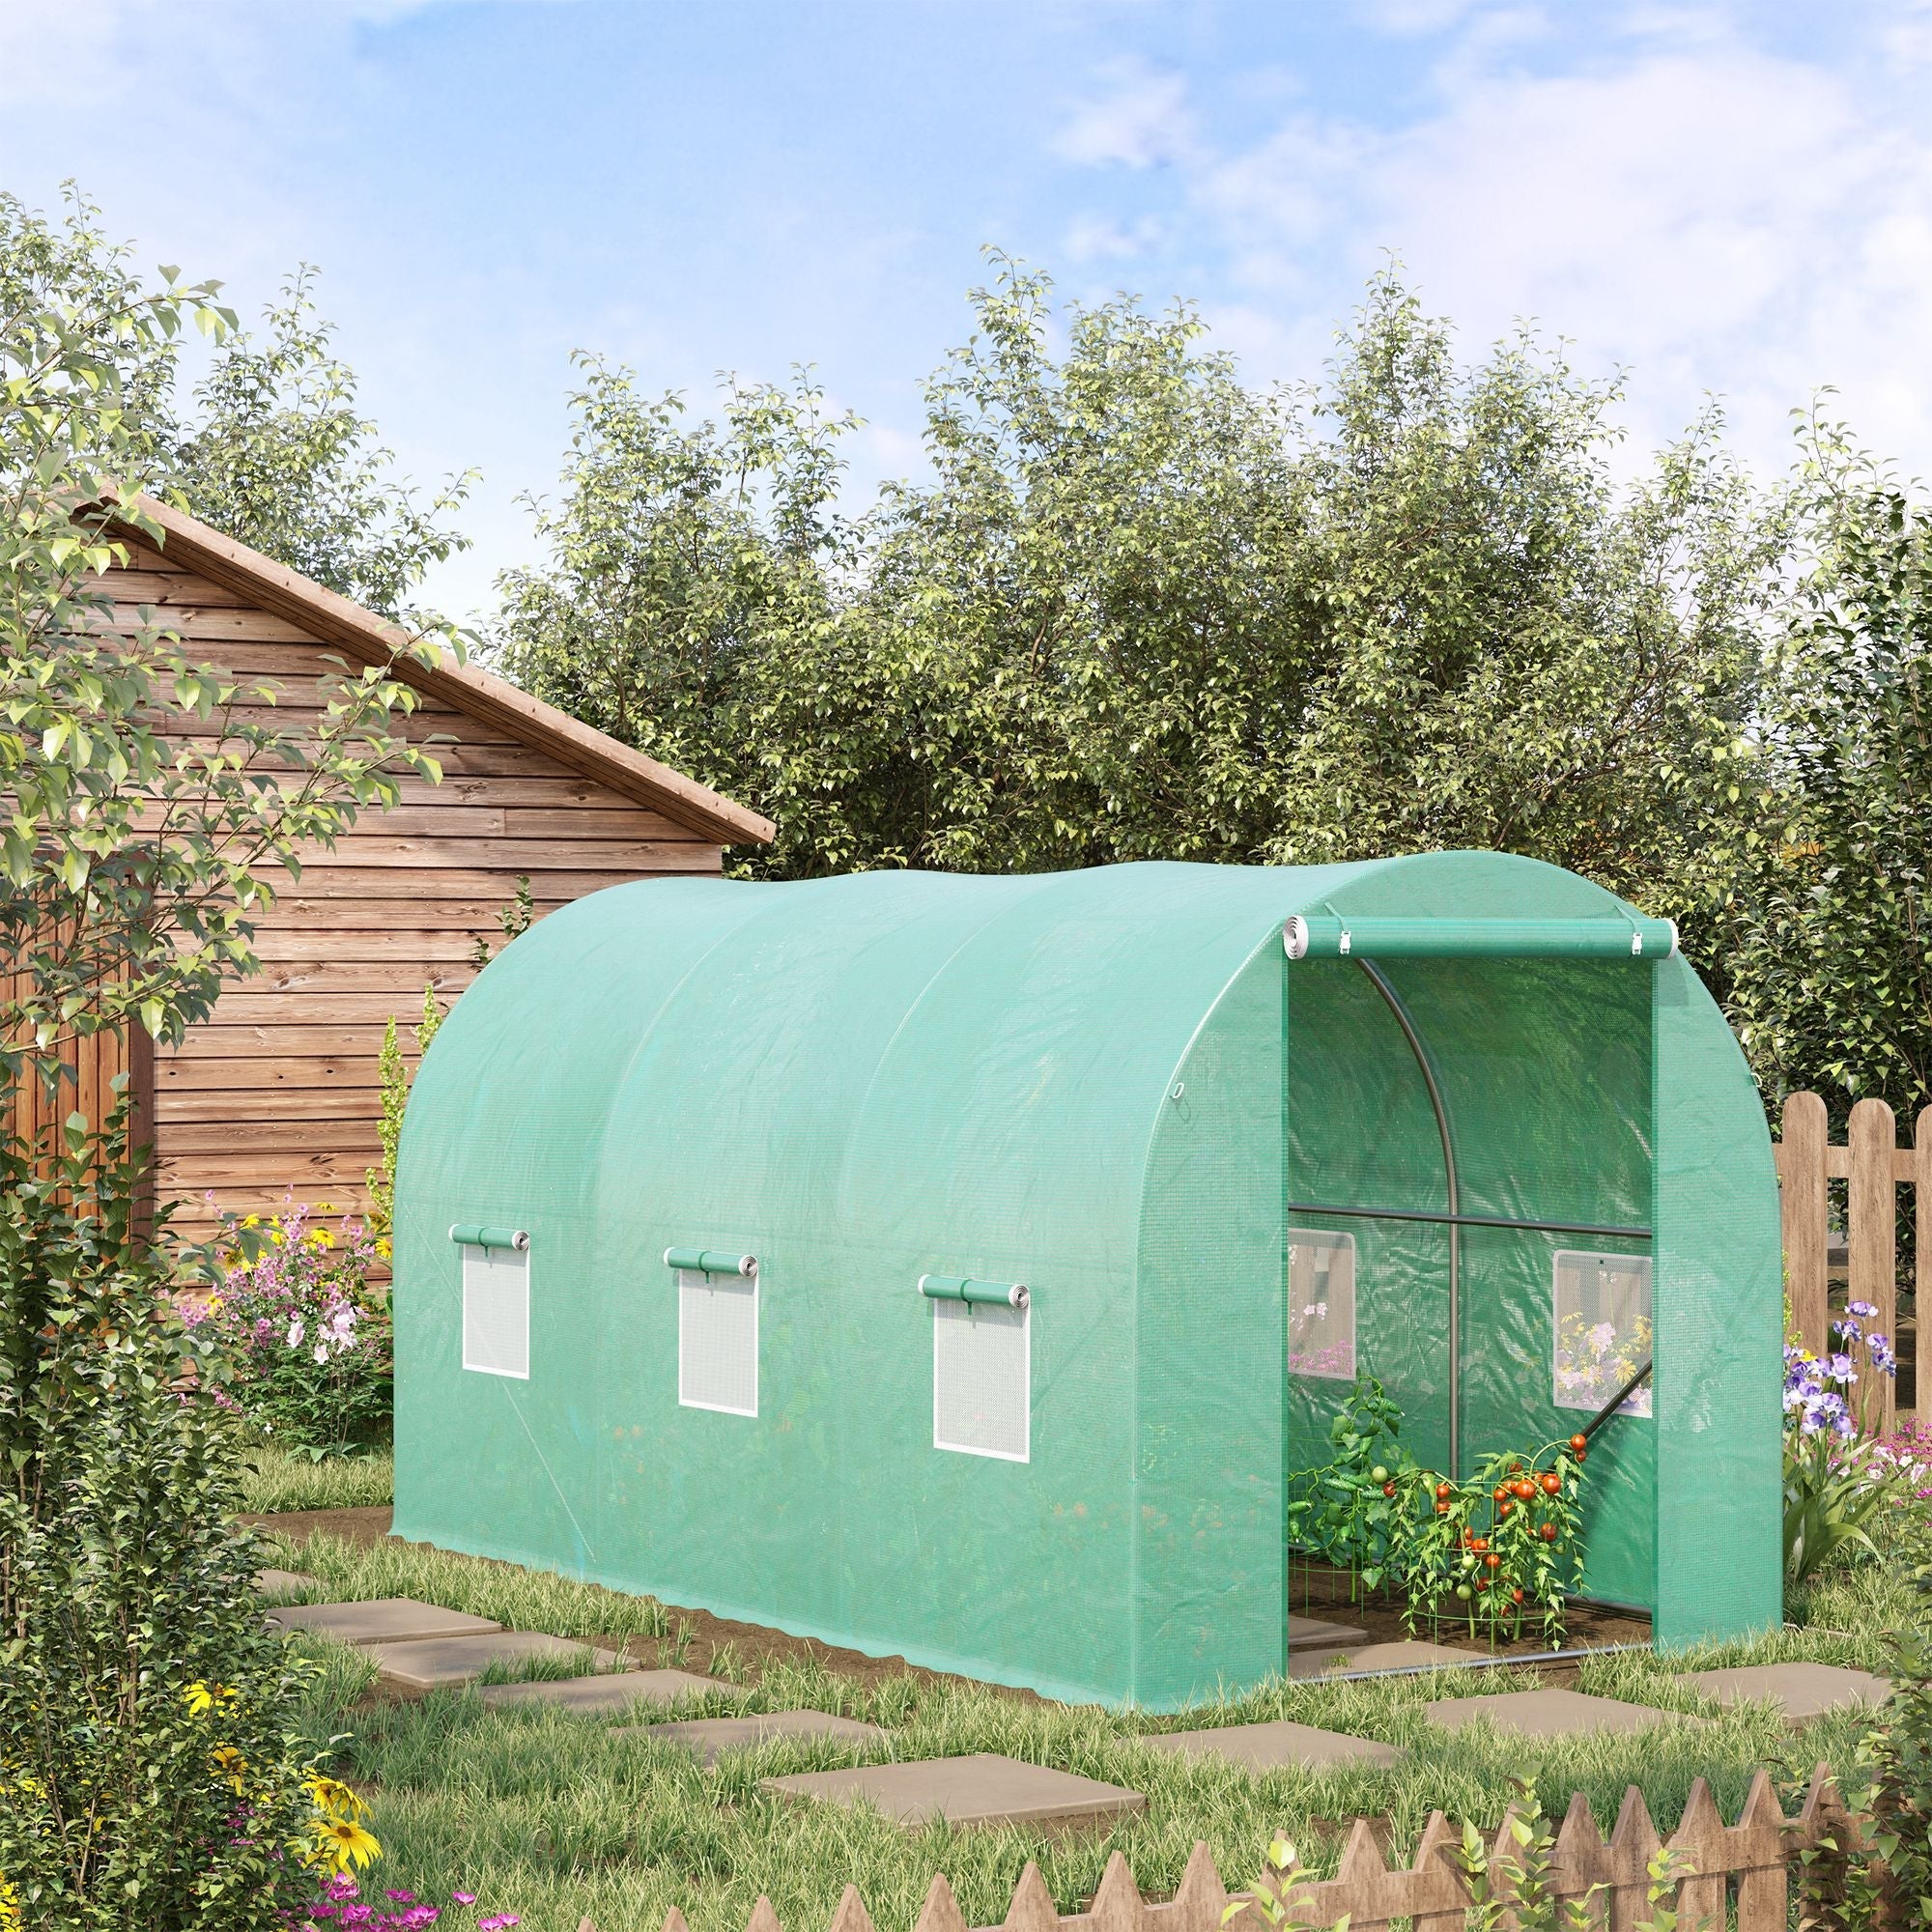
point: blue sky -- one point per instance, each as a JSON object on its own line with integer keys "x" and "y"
{"x": 1720, "y": 198}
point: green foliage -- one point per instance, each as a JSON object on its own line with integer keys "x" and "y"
{"x": 150, "y": 1774}
{"x": 271, "y": 448}
{"x": 1140, "y": 610}
{"x": 1272, "y": 1898}
{"x": 514, "y": 919}
{"x": 1832, "y": 927}
{"x": 1836, "y": 1492}
{"x": 278, "y": 457}
{"x": 1895, "y": 1804}
{"x": 275, "y": 1479}
{"x": 1348, "y": 1516}
{"x": 393, "y": 1079}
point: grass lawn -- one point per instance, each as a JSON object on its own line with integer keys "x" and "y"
{"x": 274, "y": 1481}
{"x": 555, "y": 1818}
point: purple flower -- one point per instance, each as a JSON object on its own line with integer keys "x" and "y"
{"x": 1865, "y": 1309}
{"x": 496, "y": 1920}
{"x": 464, "y": 1897}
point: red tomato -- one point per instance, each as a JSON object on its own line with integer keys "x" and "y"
{"x": 1579, "y": 1443}
{"x": 1506, "y": 1508}
{"x": 1552, "y": 1484}
{"x": 1493, "y": 1561}
{"x": 1388, "y": 1489}
{"x": 1515, "y": 1595}
{"x": 1441, "y": 1509}
{"x": 1548, "y": 1532}
{"x": 1443, "y": 1492}
{"x": 1479, "y": 1543}
{"x": 1524, "y": 1491}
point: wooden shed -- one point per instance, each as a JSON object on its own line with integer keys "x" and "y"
{"x": 277, "y": 1090}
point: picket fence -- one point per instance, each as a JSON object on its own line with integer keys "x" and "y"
{"x": 1740, "y": 1877}
{"x": 1874, "y": 1167}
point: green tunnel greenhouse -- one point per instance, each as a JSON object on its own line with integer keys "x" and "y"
{"x": 961, "y": 1267}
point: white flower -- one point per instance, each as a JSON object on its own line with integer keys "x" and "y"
{"x": 322, "y": 1352}
{"x": 297, "y": 1330}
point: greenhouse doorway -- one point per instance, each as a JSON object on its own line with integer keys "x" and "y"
{"x": 1468, "y": 1187}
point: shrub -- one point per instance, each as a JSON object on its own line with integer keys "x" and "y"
{"x": 304, "y": 1340}
{"x": 151, "y": 1776}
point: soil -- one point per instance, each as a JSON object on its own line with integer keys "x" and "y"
{"x": 1315, "y": 1591}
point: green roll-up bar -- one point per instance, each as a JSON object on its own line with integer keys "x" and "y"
{"x": 1329, "y": 936}
{"x": 709, "y": 1260}
{"x": 473, "y": 1234}
{"x": 961, "y": 1288}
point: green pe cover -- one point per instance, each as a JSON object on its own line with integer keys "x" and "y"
{"x": 1106, "y": 1086}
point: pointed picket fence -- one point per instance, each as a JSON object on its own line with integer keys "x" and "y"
{"x": 1738, "y": 1877}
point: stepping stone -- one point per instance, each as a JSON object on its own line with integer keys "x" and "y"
{"x": 1276, "y": 1746}
{"x": 383, "y": 1620}
{"x": 707, "y": 1738}
{"x": 456, "y": 1659}
{"x": 1803, "y": 1690}
{"x": 1551, "y": 1714}
{"x": 609, "y": 1690}
{"x": 1406, "y": 1654}
{"x": 1311, "y": 1634}
{"x": 282, "y": 1582}
{"x": 983, "y": 1789}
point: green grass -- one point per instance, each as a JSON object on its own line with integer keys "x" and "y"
{"x": 557, "y": 1818}
{"x": 530, "y": 1600}
{"x": 274, "y": 1480}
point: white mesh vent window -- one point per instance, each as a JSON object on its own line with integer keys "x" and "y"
{"x": 717, "y": 1341}
{"x": 982, "y": 1379}
{"x": 1603, "y": 1329}
{"x": 1321, "y": 1304}
{"x": 496, "y": 1310}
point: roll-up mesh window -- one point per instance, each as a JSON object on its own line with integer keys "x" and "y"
{"x": 496, "y": 1310}
{"x": 1602, "y": 1328}
{"x": 718, "y": 1342}
{"x": 981, "y": 1374}
{"x": 1321, "y": 1303}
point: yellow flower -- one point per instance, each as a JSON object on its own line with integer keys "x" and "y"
{"x": 333, "y": 1796}
{"x": 10, "y": 1907}
{"x": 343, "y": 1843}
{"x": 202, "y": 1698}
{"x": 229, "y": 1763}
{"x": 322, "y": 1237}
{"x": 383, "y": 1246}
{"x": 251, "y": 1220}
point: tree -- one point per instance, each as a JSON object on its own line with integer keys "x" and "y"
{"x": 149, "y": 1777}
{"x": 271, "y": 448}
{"x": 278, "y": 457}
{"x": 1142, "y": 611}
{"x": 1830, "y": 965}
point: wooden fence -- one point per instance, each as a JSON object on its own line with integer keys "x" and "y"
{"x": 1874, "y": 1167}
{"x": 1740, "y": 1877}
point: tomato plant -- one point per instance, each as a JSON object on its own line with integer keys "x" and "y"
{"x": 1346, "y": 1512}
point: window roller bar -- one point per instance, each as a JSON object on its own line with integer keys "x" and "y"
{"x": 1338, "y": 936}
{"x": 963, "y": 1287}
{"x": 473, "y": 1235}
{"x": 1471, "y": 1220}
{"x": 710, "y": 1260}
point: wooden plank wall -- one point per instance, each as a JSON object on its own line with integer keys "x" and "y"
{"x": 278, "y": 1089}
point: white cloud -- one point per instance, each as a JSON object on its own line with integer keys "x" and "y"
{"x": 1715, "y": 216}
{"x": 1143, "y": 120}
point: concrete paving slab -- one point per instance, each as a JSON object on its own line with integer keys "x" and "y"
{"x": 706, "y": 1738}
{"x": 283, "y": 1582}
{"x": 983, "y": 1789}
{"x": 609, "y": 1690}
{"x": 1406, "y": 1654}
{"x": 1312, "y": 1634}
{"x": 1277, "y": 1746}
{"x": 1551, "y": 1713}
{"x": 382, "y": 1620}
{"x": 1803, "y": 1690}
{"x": 456, "y": 1659}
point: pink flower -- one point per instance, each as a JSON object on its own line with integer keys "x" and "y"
{"x": 497, "y": 1921}
{"x": 464, "y": 1897}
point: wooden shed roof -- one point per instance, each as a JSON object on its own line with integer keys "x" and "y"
{"x": 364, "y": 638}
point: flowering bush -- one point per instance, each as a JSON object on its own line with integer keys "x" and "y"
{"x": 305, "y": 1339}
{"x": 1835, "y": 1484}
